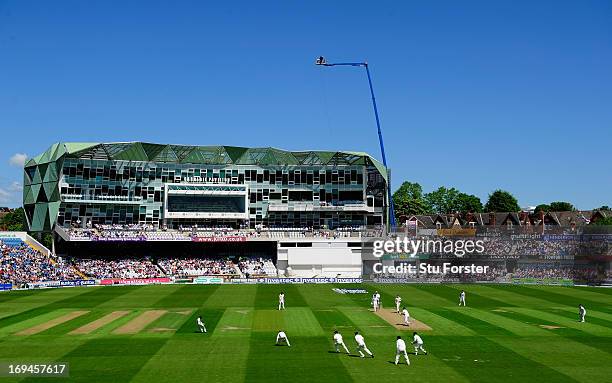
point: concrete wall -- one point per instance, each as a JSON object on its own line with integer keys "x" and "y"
{"x": 323, "y": 261}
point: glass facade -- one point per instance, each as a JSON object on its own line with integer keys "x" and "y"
{"x": 126, "y": 183}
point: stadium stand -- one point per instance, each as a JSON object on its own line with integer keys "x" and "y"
{"x": 123, "y": 268}
{"x": 257, "y": 267}
{"x": 20, "y": 264}
{"x": 188, "y": 267}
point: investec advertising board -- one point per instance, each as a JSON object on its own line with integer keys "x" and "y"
{"x": 280, "y": 281}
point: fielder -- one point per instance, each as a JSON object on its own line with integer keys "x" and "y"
{"x": 361, "y": 345}
{"x": 406, "y": 315}
{"x": 418, "y": 343}
{"x": 400, "y": 347}
{"x": 581, "y": 312}
{"x": 378, "y": 299}
{"x": 462, "y": 298}
{"x": 201, "y": 324}
{"x": 339, "y": 342}
{"x": 374, "y": 302}
{"x": 282, "y": 337}
{"x": 281, "y": 301}
{"x": 398, "y": 302}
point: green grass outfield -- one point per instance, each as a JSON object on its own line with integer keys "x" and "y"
{"x": 498, "y": 337}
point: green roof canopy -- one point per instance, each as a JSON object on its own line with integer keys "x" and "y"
{"x": 209, "y": 155}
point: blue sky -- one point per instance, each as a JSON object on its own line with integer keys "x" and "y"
{"x": 478, "y": 95}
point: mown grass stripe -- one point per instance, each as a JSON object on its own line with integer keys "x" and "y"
{"x": 571, "y": 292}
{"x": 440, "y": 325}
{"x": 43, "y": 298}
{"x": 331, "y": 319}
{"x": 472, "y": 298}
{"x": 590, "y": 313}
{"x": 94, "y": 296}
{"x": 186, "y": 296}
{"x": 582, "y": 362}
{"x": 480, "y": 327}
{"x": 307, "y": 360}
{"x": 10, "y": 295}
{"x": 412, "y": 296}
{"x": 566, "y": 313}
{"x": 365, "y": 321}
{"x": 549, "y": 327}
{"x": 31, "y": 321}
{"x": 301, "y": 321}
{"x": 267, "y": 296}
{"x": 235, "y": 321}
{"x": 586, "y": 328}
{"x": 109, "y": 360}
{"x": 24, "y": 315}
{"x": 231, "y": 296}
{"x": 550, "y": 296}
{"x": 482, "y": 360}
{"x": 505, "y": 319}
{"x": 210, "y": 317}
{"x": 506, "y": 296}
{"x": 592, "y": 289}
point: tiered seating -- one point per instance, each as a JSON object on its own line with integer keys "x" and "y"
{"x": 20, "y": 263}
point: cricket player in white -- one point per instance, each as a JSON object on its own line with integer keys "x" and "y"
{"x": 361, "y": 345}
{"x": 581, "y": 312}
{"x": 281, "y": 301}
{"x": 462, "y": 298}
{"x": 398, "y": 302}
{"x": 201, "y": 324}
{"x": 418, "y": 343}
{"x": 406, "y": 315}
{"x": 282, "y": 337}
{"x": 378, "y": 299}
{"x": 400, "y": 346}
{"x": 339, "y": 342}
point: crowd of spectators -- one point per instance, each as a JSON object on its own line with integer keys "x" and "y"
{"x": 122, "y": 268}
{"x": 186, "y": 267}
{"x": 257, "y": 267}
{"x": 21, "y": 264}
{"x": 544, "y": 272}
{"x": 144, "y": 232}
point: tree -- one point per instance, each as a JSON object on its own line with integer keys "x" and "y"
{"x": 14, "y": 220}
{"x": 502, "y": 201}
{"x": 561, "y": 206}
{"x": 409, "y": 200}
{"x": 469, "y": 203}
{"x": 542, "y": 208}
{"x": 603, "y": 221}
{"x": 47, "y": 240}
{"x": 604, "y": 208}
{"x": 444, "y": 201}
